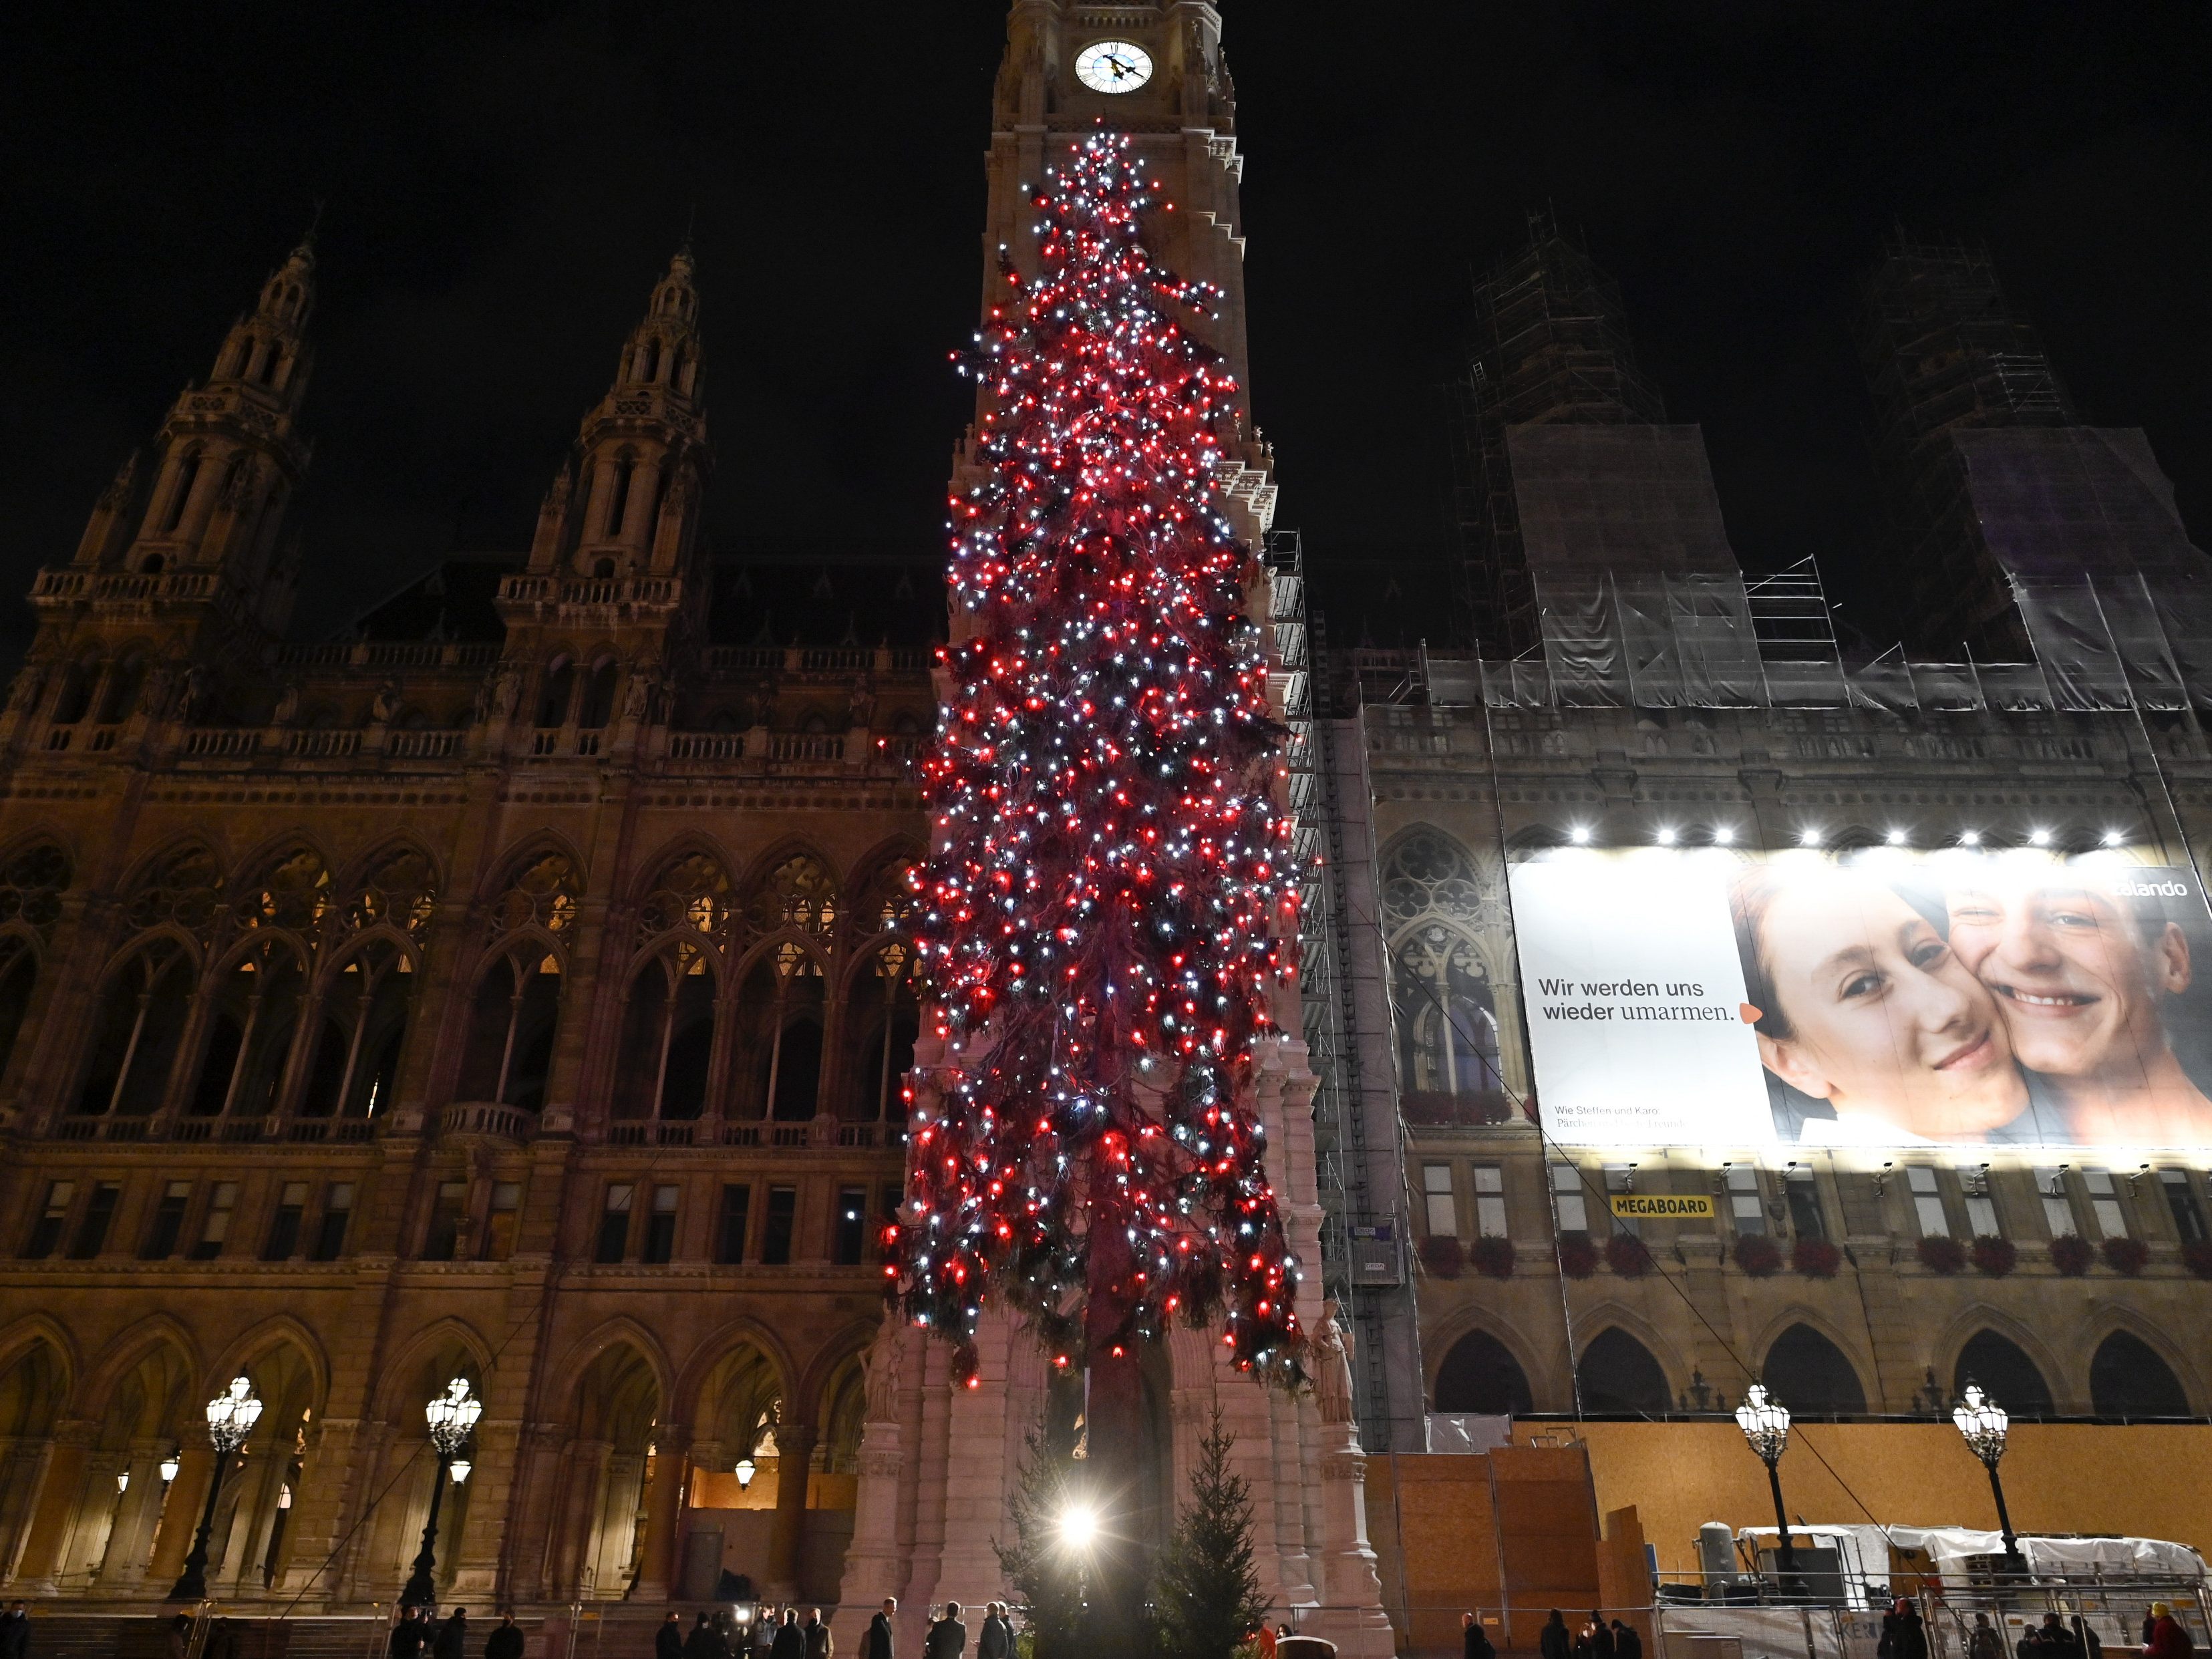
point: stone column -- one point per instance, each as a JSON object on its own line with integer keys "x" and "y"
{"x": 664, "y": 1514}
{"x": 1350, "y": 1613}
{"x": 794, "y": 1445}
{"x": 124, "y": 1564}
{"x": 52, "y": 1520}
{"x": 180, "y": 1517}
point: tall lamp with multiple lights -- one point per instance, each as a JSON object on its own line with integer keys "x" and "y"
{"x": 1983, "y": 1423}
{"x": 451, "y": 1417}
{"x": 230, "y": 1417}
{"x": 1765, "y": 1421}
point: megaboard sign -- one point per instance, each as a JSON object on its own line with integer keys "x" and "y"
{"x": 1679, "y": 996}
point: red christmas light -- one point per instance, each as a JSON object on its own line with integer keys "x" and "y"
{"x": 1112, "y": 903}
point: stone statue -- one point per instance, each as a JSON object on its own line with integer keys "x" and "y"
{"x": 386, "y": 703}
{"x": 861, "y": 705}
{"x": 884, "y": 1356}
{"x": 287, "y": 704}
{"x": 507, "y": 686}
{"x": 198, "y": 694}
{"x": 1332, "y": 1367}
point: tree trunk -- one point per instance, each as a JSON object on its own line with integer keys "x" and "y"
{"x": 1118, "y": 1441}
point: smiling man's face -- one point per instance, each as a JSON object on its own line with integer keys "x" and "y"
{"x": 2079, "y": 985}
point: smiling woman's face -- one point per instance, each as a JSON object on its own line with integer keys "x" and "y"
{"x": 1884, "y": 1019}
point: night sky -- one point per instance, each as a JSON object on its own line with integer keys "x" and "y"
{"x": 503, "y": 183}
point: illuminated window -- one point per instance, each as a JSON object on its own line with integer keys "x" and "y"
{"x": 1489, "y": 1200}
{"x": 1573, "y": 1209}
{"x": 1441, "y": 1209}
{"x": 1744, "y": 1208}
{"x": 1927, "y": 1202}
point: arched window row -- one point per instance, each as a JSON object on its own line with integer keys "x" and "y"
{"x": 297, "y": 1002}
{"x": 1617, "y": 1376}
{"x": 696, "y": 1041}
{"x": 302, "y": 1007}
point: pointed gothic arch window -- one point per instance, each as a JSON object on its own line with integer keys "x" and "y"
{"x": 2128, "y": 1378}
{"x": 119, "y": 698}
{"x": 75, "y": 694}
{"x": 2005, "y": 1373}
{"x": 800, "y": 892}
{"x": 1619, "y": 1378}
{"x": 692, "y": 892}
{"x": 885, "y": 900}
{"x": 1446, "y": 1009}
{"x": 184, "y": 888}
{"x": 780, "y": 1012}
{"x": 597, "y": 704}
{"x": 400, "y": 890}
{"x": 19, "y": 977}
{"x": 516, "y": 1010}
{"x": 1480, "y": 1374}
{"x": 618, "y": 506}
{"x": 555, "y": 691}
{"x": 292, "y": 891}
{"x": 1810, "y": 1374}
{"x": 886, "y": 1012}
{"x": 543, "y": 893}
{"x": 668, "y": 1036}
{"x": 652, "y": 357}
{"x": 363, "y": 1029}
{"x": 512, "y": 1025}
{"x": 188, "y": 474}
{"x": 140, "y": 1028}
{"x": 32, "y": 882}
{"x": 255, "y": 1019}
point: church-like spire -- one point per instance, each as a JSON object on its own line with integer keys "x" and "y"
{"x": 226, "y": 461}
{"x": 626, "y": 500}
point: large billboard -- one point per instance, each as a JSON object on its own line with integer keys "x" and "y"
{"x": 1682, "y": 996}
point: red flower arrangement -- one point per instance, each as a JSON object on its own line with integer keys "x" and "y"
{"x": 1492, "y": 1256}
{"x": 1628, "y": 1255}
{"x": 1993, "y": 1256}
{"x": 1815, "y": 1258}
{"x": 1441, "y": 1256}
{"x": 2196, "y": 1256}
{"x": 1941, "y": 1254}
{"x": 1577, "y": 1258}
{"x": 2126, "y": 1255}
{"x": 1757, "y": 1255}
{"x": 2071, "y": 1254}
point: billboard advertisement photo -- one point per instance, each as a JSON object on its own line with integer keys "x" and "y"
{"x": 1872, "y": 999}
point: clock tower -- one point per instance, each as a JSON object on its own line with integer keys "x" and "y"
{"x": 1171, "y": 93}
{"x": 939, "y": 1461}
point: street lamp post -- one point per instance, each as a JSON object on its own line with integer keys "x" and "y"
{"x": 230, "y": 1417}
{"x": 452, "y": 1416}
{"x": 1765, "y": 1421}
{"x": 1983, "y": 1423}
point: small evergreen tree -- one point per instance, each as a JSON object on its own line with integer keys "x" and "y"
{"x": 1205, "y": 1594}
{"x": 1046, "y": 1578}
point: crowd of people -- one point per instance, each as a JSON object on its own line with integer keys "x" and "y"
{"x": 1596, "y": 1638}
{"x": 781, "y": 1633}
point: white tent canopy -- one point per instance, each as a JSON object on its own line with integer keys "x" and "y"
{"x": 1865, "y": 1551}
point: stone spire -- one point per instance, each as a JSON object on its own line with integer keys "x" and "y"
{"x": 626, "y": 502}
{"x": 223, "y": 465}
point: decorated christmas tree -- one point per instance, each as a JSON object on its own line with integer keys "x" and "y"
{"x": 1108, "y": 912}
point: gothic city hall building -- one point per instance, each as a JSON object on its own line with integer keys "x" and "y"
{"x": 519, "y": 987}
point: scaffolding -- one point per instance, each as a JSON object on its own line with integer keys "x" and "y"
{"x": 1943, "y": 349}
{"x": 1549, "y": 346}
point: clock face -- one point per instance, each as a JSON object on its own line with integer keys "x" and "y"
{"x": 1113, "y": 66}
